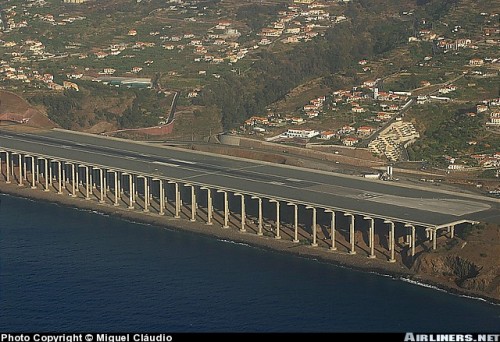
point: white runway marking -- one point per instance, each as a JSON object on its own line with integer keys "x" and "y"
{"x": 183, "y": 161}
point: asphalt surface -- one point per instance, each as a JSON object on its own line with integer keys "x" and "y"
{"x": 386, "y": 200}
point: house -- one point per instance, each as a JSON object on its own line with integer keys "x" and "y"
{"x": 357, "y": 109}
{"x": 383, "y": 116}
{"x": 481, "y": 108}
{"x": 301, "y": 133}
{"x": 476, "y": 62}
{"x": 350, "y": 141}
{"x": 365, "y": 130}
{"x": 297, "y": 121}
{"x": 271, "y": 32}
{"x": 325, "y": 135}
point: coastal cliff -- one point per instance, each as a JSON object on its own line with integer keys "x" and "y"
{"x": 469, "y": 263}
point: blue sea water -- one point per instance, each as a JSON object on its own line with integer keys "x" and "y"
{"x": 64, "y": 269}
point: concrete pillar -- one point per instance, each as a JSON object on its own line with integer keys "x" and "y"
{"x": 193, "y": 202}
{"x": 177, "y": 199}
{"x": 104, "y": 184}
{"x": 314, "y": 227}
{"x": 59, "y": 176}
{"x": 63, "y": 174}
{"x": 134, "y": 192}
{"x": 351, "y": 234}
{"x": 295, "y": 222}
{"x": 434, "y": 238}
{"x": 91, "y": 180}
{"x": 77, "y": 176}
{"x": 33, "y": 173}
{"x": 25, "y": 174}
{"x": 46, "y": 174}
{"x": 243, "y": 213}
{"x": 146, "y": 194}
{"x": 20, "y": 166}
{"x": 371, "y": 237}
{"x": 162, "y": 198}
{"x": 333, "y": 247}
{"x": 116, "y": 190}
{"x": 392, "y": 241}
{"x": 412, "y": 239}
{"x": 452, "y": 231}
{"x": 277, "y": 236}
{"x": 120, "y": 191}
{"x": 259, "y": 225}
{"x": 209, "y": 205}
{"x": 131, "y": 191}
{"x": 101, "y": 185}
{"x": 37, "y": 167}
{"x": 87, "y": 183}
{"x": 226, "y": 209}
{"x": 50, "y": 173}
{"x": 74, "y": 182}
{"x": 7, "y": 170}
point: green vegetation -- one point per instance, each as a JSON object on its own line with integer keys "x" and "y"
{"x": 274, "y": 75}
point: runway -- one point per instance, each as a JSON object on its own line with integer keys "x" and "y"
{"x": 386, "y": 200}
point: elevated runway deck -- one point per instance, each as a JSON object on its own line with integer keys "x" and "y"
{"x": 402, "y": 203}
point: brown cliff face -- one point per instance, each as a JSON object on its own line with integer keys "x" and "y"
{"x": 470, "y": 265}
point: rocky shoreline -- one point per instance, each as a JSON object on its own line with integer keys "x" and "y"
{"x": 357, "y": 262}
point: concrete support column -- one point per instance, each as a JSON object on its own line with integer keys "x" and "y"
{"x": 333, "y": 247}
{"x": 46, "y": 175}
{"x": 33, "y": 173}
{"x": 74, "y": 181}
{"x": 25, "y": 174}
{"x": 351, "y": 234}
{"x": 87, "y": 183}
{"x": 243, "y": 213}
{"x": 50, "y": 173}
{"x": 314, "y": 227}
{"x": 162, "y": 198}
{"x": 77, "y": 176}
{"x": 59, "y": 178}
{"x": 259, "y": 225}
{"x": 131, "y": 191}
{"x": 177, "y": 200}
{"x": 37, "y": 167}
{"x": 295, "y": 222}
{"x": 193, "y": 202}
{"x": 20, "y": 166}
{"x": 277, "y": 236}
{"x": 226, "y": 209}
{"x": 91, "y": 180}
{"x": 371, "y": 237}
{"x": 146, "y": 194}
{"x": 104, "y": 184}
{"x": 134, "y": 192}
{"x": 412, "y": 239}
{"x": 120, "y": 190}
{"x": 7, "y": 170}
{"x": 210, "y": 207}
{"x": 452, "y": 231}
{"x": 392, "y": 240}
{"x": 101, "y": 185}
{"x": 116, "y": 190}
{"x": 63, "y": 174}
{"x": 434, "y": 238}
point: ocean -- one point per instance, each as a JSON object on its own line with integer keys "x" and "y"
{"x": 66, "y": 270}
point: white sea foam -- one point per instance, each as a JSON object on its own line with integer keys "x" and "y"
{"x": 234, "y": 242}
{"x": 414, "y": 282}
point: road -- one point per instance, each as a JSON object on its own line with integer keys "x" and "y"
{"x": 385, "y": 200}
